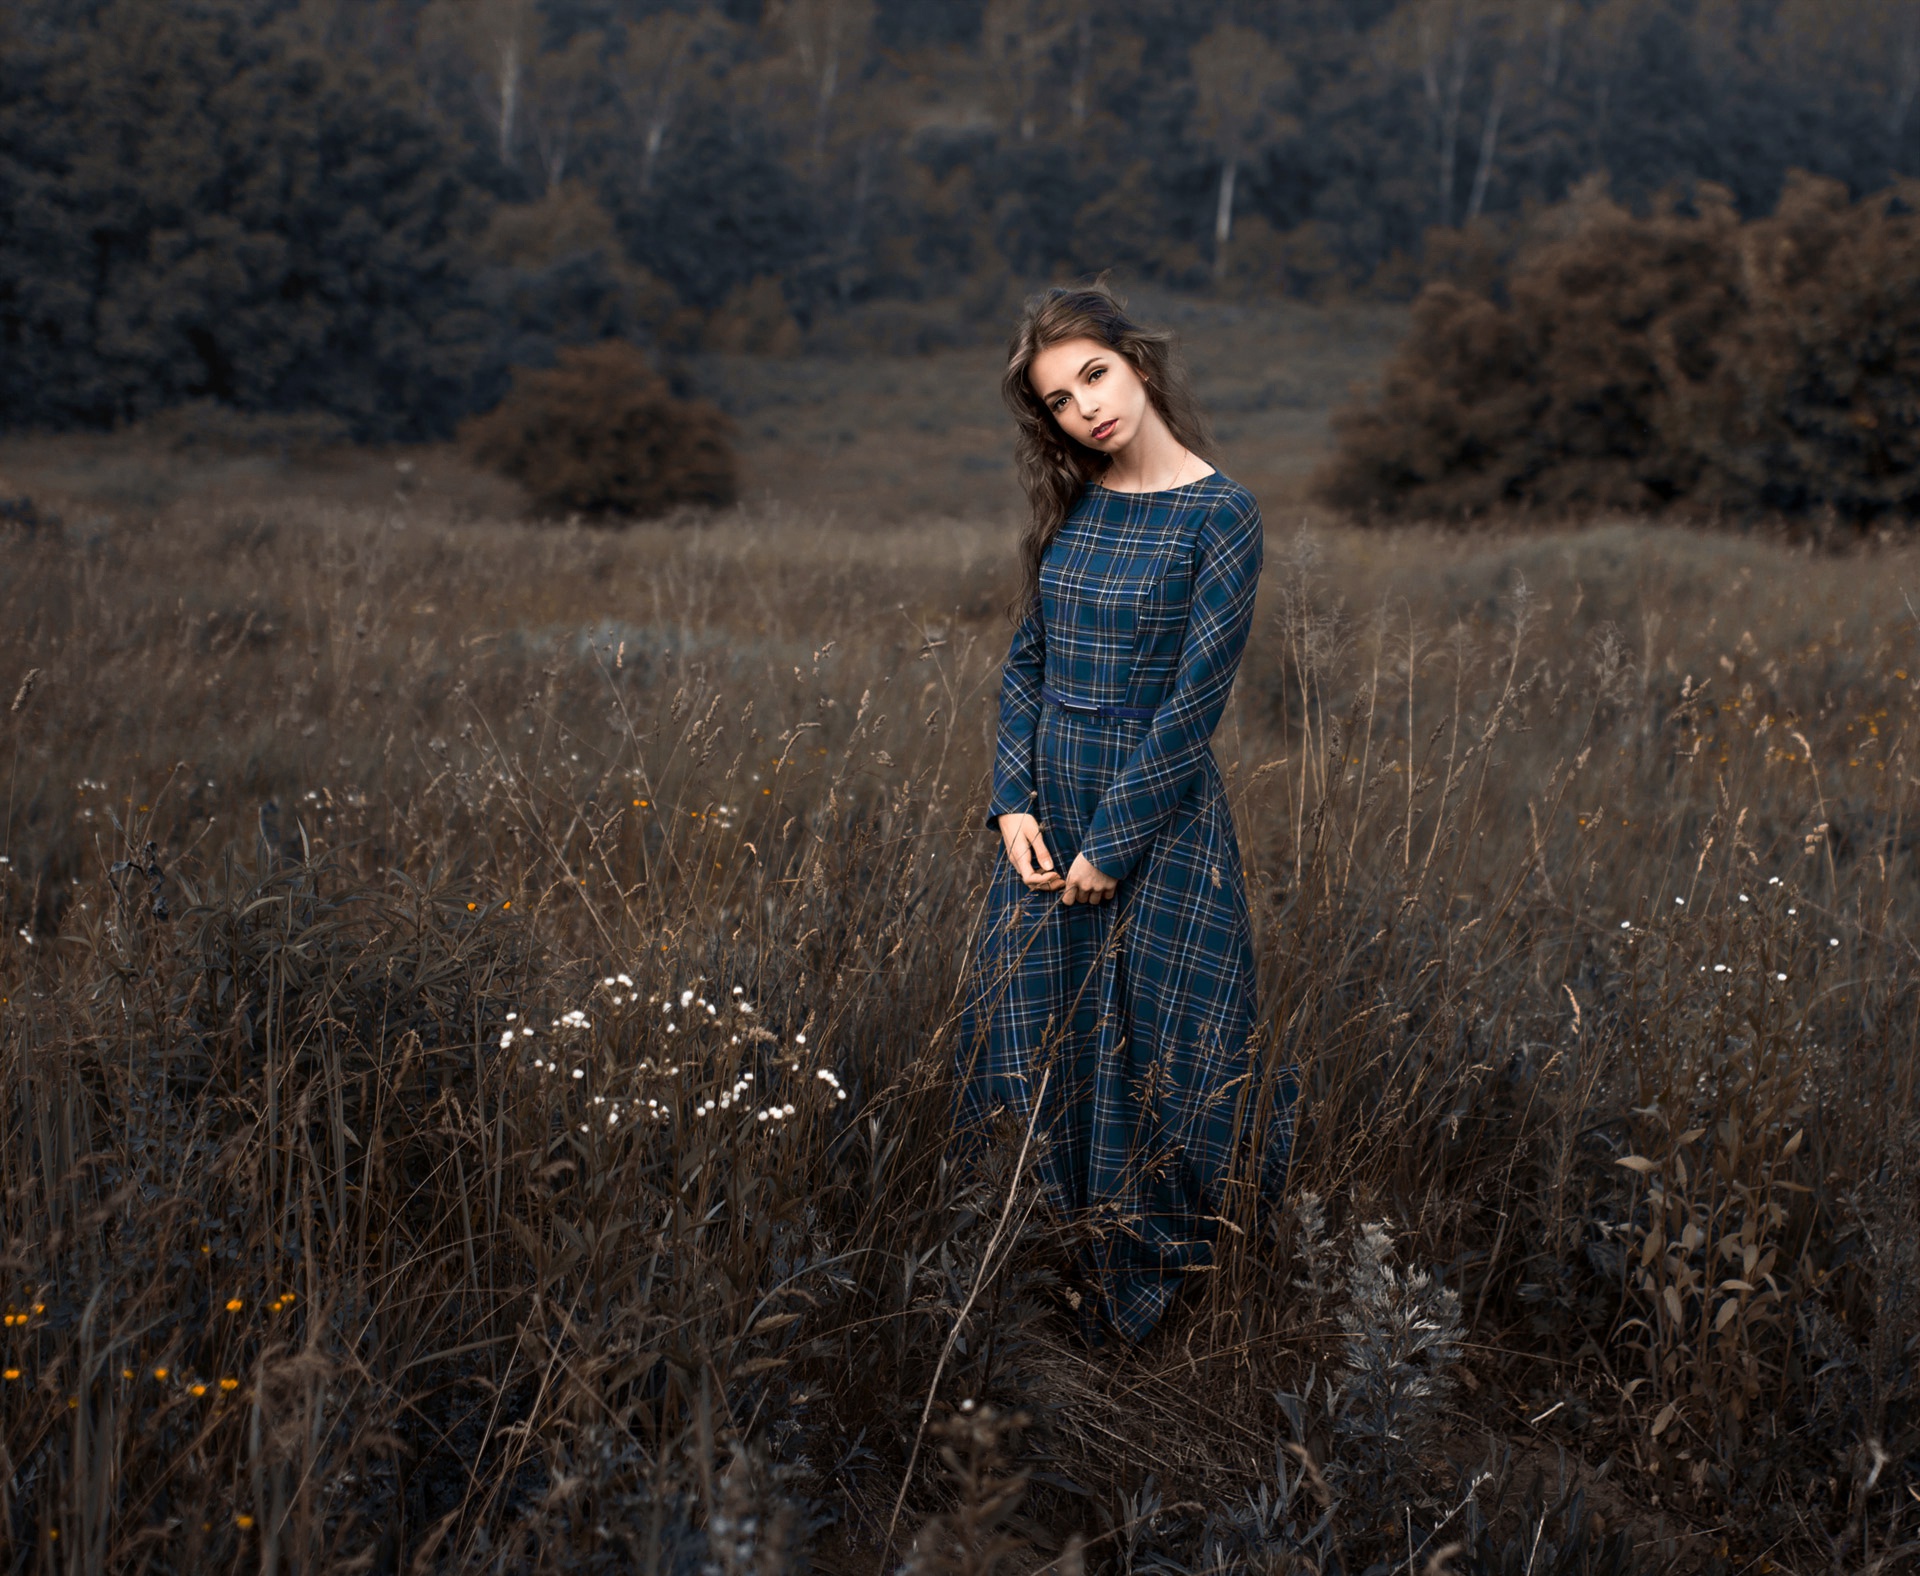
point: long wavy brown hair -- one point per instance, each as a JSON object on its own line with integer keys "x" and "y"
{"x": 1053, "y": 468}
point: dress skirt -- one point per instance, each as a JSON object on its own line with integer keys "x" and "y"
{"x": 1122, "y": 1032}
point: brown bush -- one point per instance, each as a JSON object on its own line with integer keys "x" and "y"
{"x": 601, "y": 433}
{"x": 1643, "y": 362}
{"x": 1814, "y": 406}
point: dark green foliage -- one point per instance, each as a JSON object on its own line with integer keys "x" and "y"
{"x": 278, "y": 204}
{"x": 1638, "y": 363}
{"x": 601, "y": 433}
{"x": 724, "y": 211}
{"x": 201, "y": 207}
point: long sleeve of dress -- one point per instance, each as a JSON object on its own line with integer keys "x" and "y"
{"x": 1019, "y": 717}
{"x": 1143, "y": 795}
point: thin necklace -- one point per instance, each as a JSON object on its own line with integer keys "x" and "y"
{"x": 1185, "y": 455}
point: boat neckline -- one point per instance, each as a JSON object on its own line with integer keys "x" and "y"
{"x": 1156, "y": 492}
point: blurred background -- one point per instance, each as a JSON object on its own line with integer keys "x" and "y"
{"x": 357, "y": 217}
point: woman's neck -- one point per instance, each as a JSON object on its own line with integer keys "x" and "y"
{"x": 1155, "y": 460}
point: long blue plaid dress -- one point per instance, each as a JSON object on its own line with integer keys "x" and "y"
{"x": 1137, "y": 1012}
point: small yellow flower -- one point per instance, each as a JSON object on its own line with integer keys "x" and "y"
{"x": 471, "y": 907}
{"x": 229, "y": 1384}
{"x": 206, "y": 1247}
{"x": 38, "y": 1307}
{"x": 243, "y": 1522}
{"x": 126, "y": 1373}
{"x": 197, "y": 1389}
{"x": 12, "y": 1373}
{"x": 508, "y": 903}
{"x": 234, "y": 1305}
{"x": 160, "y": 1373}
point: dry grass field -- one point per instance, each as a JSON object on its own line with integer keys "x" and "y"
{"x": 897, "y": 438}
{"x": 478, "y": 1000}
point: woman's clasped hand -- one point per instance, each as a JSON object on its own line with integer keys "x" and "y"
{"x": 1028, "y": 850}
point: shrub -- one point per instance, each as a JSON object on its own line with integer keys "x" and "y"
{"x": 601, "y": 433}
{"x": 1641, "y": 362}
{"x": 1814, "y": 406}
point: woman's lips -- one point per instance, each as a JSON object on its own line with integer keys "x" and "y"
{"x": 1104, "y": 431}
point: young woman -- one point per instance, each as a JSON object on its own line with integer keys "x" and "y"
{"x": 1114, "y": 996}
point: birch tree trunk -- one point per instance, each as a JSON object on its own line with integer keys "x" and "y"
{"x": 1079, "y": 87}
{"x": 1238, "y": 74}
{"x": 1444, "y": 93}
{"x": 1906, "y": 81}
{"x": 823, "y": 108}
{"x": 828, "y": 40}
{"x": 1489, "y": 139}
{"x": 551, "y": 139}
{"x": 1450, "y": 123}
{"x": 650, "y": 149}
{"x": 652, "y": 76}
{"x": 507, "y": 68}
{"x": 1021, "y": 38}
{"x": 1223, "y": 214}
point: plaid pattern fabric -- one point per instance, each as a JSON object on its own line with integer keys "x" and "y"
{"x": 1129, "y": 1023}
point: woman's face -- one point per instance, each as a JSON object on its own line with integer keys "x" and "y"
{"x": 1094, "y": 393}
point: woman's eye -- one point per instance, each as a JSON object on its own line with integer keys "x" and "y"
{"x": 1096, "y": 374}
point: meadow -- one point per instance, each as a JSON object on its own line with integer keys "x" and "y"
{"x": 479, "y": 998}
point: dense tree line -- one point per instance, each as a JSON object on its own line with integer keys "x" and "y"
{"x": 376, "y": 207}
{"x": 1664, "y": 361}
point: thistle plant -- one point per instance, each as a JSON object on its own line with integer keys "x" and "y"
{"x": 1402, "y": 1338}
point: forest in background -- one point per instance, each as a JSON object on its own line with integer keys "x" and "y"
{"x": 373, "y": 209}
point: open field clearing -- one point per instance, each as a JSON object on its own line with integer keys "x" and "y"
{"x": 895, "y": 438}
{"x": 869, "y": 440}
{"x": 479, "y": 999}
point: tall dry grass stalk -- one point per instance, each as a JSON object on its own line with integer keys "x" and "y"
{"x": 477, "y": 1024}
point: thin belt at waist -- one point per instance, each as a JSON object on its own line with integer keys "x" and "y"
{"x": 1087, "y": 708}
